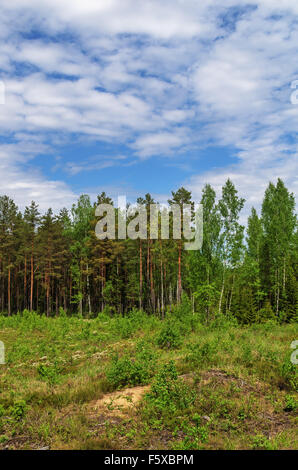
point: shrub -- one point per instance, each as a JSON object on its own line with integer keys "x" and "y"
{"x": 127, "y": 371}
{"x": 182, "y": 313}
{"x": 170, "y": 336}
{"x": 126, "y": 326}
{"x": 183, "y": 309}
{"x": 223, "y": 321}
{"x": 194, "y": 436}
{"x": 169, "y": 393}
{"x": 266, "y": 313}
{"x": 200, "y": 354}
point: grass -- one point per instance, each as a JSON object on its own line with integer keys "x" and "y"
{"x": 216, "y": 387}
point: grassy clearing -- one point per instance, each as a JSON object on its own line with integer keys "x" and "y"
{"x": 216, "y": 387}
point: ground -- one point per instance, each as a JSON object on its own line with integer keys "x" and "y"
{"x": 143, "y": 383}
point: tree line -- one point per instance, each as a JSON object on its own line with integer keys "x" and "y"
{"x": 52, "y": 261}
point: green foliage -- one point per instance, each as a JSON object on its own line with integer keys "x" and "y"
{"x": 201, "y": 353}
{"x": 266, "y": 313}
{"x": 194, "y": 435}
{"x": 18, "y": 410}
{"x": 128, "y": 371}
{"x": 182, "y": 309}
{"x": 50, "y": 373}
{"x": 2, "y": 410}
{"x": 126, "y": 326}
{"x": 170, "y": 336}
{"x": 206, "y": 297}
{"x": 224, "y": 381}
{"x": 223, "y": 321}
{"x": 56, "y": 260}
{"x": 62, "y": 312}
{"x": 261, "y": 442}
{"x": 291, "y": 403}
{"x": 169, "y": 393}
{"x": 289, "y": 374}
{"x": 184, "y": 317}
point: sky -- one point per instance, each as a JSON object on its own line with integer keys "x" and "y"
{"x": 135, "y": 96}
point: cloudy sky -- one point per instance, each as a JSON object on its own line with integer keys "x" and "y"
{"x": 136, "y": 96}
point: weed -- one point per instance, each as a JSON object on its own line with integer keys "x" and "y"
{"x": 18, "y": 410}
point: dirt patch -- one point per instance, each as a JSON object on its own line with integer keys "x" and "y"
{"x": 120, "y": 402}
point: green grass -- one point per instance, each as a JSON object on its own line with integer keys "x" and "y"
{"x": 216, "y": 387}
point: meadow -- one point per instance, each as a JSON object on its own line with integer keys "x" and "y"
{"x": 139, "y": 382}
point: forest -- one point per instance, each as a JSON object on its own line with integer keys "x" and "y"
{"x": 142, "y": 344}
{"x": 54, "y": 261}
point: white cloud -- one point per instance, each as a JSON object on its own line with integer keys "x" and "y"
{"x": 157, "y": 76}
{"x": 25, "y": 184}
{"x": 159, "y": 19}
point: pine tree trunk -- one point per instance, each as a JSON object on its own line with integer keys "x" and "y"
{"x": 284, "y": 276}
{"x": 25, "y": 284}
{"x": 88, "y": 289}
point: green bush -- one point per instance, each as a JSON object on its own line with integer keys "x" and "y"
{"x": 127, "y": 371}
{"x": 126, "y": 326}
{"x": 169, "y": 393}
{"x": 182, "y": 313}
{"x": 170, "y": 336}
{"x": 266, "y": 313}
{"x": 223, "y": 321}
{"x": 201, "y": 354}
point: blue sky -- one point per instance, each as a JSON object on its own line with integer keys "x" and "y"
{"x": 131, "y": 96}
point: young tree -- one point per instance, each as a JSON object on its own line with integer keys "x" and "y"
{"x": 279, "y": 224}
{"x": 230, "y": 206}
